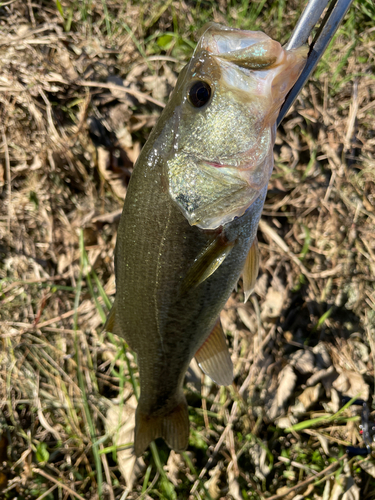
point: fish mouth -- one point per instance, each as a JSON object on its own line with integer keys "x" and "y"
{"x": 255, "y": 177}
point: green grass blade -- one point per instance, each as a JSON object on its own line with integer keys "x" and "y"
{"x": 81, "y": 383}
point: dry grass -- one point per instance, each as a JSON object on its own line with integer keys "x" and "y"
{"x": 81, "y": 85}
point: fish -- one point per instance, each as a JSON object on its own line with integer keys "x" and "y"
{"x": 189, "y": 222}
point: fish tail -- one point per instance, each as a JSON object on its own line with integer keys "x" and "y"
{"x": 172, "y": 427}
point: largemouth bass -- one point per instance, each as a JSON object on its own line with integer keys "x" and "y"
{"x": 189, "y": 223}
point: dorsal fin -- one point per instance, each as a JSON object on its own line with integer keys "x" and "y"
{"x": 251, "y": 269}
{"x": 213, "y": 357}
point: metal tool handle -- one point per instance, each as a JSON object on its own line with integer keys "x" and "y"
{"x": 327, "y": 29}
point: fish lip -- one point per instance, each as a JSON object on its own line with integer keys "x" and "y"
{"x": 238, "y": 167}
{"x": 227, "y": 167}
{"x": 216, "y": 164}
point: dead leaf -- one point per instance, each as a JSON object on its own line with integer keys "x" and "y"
{"x": 285, "y": 422}
{"x": 359, "y": 355}
{"x": 287, "y": 382}
{"x": 285, "y": 490}
{"x": 66, "y": 63}
{"x": 193, "y": 376}
{"x": 2, "y": 176}
{"x": 352, "y": 492}
{"x": 303, "y": 360}
{"x": 323, "y": 359}
{"x": 3, "y": 481}
{"x": 157, "y": 85}
{"x": 327, "y": 490}
{"x": 351, "y": 384}
{"x": 212, "y": 483}
{"x": 261, "y": 285}
{"x": 120, "y": 423}
{"x": 344, "y": 487}
{"x": 258, "y": 455}
{"x": 335, "y": 403}
{"x": 320, "y": 375}
{"x": 173, "y": 467}
{"x": 368, "y": 467}
{"x": 273, "y": 304}
{"x": 112, "y": 173}
{"x": 324, "y": 443}
{"x": 234, "y": 488}
{"x": 305, "y": 400}
{"x": 248, "y": 320}
{"x": 306, "y": 493}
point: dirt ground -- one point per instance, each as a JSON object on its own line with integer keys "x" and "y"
{"x": 82, "y": 83}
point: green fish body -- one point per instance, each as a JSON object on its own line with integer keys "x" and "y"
{"x": 189, "y": 223}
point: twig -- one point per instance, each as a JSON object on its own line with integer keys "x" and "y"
{"x": 7, "y": 168}
{"x": 34, "y": 280}
{"x": 308, "y": 481}
{"x": 56, "y": 319}
{"x": 204, "y": 403}
{"x": 108, "y": 217}
{"x": 255, "y": 359}
{"x": 56, "y": 481}
{"x": 31, "y": 13}
{"x": 217, "y": 447}
{"x": 111, "y": 86}
{"x": 352, "y": 116}
{"x": 271, "y": 233}
{"x": 107, "y": 474}
{"x": 46, "y": 27}
{"x": 46, "y": 493}
{"x": 52, "y": 128}
{"x": 42, "y": 419}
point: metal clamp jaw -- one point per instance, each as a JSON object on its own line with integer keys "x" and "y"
{"x": 367, "y": 429}
{"x": 328, "y": 27}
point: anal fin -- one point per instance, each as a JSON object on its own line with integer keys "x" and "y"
{"x": 207, "y": 262}
{"x": 251, "y": 269}
{"x": 213, "y": 357}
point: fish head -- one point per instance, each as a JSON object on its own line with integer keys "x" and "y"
{"x": 226, "y": 103}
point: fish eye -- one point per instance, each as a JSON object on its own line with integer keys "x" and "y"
{"x": 199, "y": 93}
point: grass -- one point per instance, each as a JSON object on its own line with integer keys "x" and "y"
{"x": 60, "y": 373}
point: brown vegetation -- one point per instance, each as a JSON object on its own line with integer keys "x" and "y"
{"x": 81, "y": 85}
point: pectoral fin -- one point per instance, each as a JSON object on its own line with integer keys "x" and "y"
{"x": 214, "y": 359}
{"x": 207, "y": 263}
{"x": 110, "y": 324}
{"x": 251, "y": 269}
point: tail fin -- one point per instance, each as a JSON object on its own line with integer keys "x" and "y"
{"x": 173, "y": 428}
